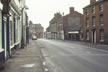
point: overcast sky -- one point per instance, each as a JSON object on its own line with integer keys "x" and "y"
{"x": 42, "y": 11}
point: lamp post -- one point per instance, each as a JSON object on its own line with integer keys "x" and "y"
{"x": 22, "y": 39}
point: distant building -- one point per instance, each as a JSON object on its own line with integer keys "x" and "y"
{"x": 66, "y": 27}
{"x": 30, "y": 29}
{"x": 95, "y": 26}
{"x": 52, "y": 29}
{"x": 72, "y": 25}
{"x": 38, "y": 30}
{"x": 48, "y": 33}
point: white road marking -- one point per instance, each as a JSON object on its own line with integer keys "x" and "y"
{"x": 46, "y": 69}
{"x": 44, "y": 63}
{"x": 88, "y": 52}
{"x": 28, "y": 65}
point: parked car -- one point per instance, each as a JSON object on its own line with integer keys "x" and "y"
{"x": 34, "y": 38}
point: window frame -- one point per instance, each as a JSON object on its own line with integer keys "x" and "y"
{"x": 87, "y": 22}
{"x": 101, "y": 7}
{"x": 93, "y": 10}
{"x": 87, "y": 34}
{"x": 102, "y": 35}
{"x": 93, "y": 21}
{"x": 101, "y": 19}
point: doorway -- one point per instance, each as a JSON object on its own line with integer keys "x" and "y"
{"x": 93, "y": 36}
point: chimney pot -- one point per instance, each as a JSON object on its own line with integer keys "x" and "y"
{"x": 92, "y": 1}
{"x": 71, "y": 9}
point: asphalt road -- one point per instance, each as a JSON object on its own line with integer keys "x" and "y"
{"x": 67, "y": 56}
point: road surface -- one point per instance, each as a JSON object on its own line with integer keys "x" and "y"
{"x": 67, "y": 56}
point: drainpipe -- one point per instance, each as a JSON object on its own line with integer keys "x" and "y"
{"x": 22, "y": 40}
{"x": 8, "y": 41}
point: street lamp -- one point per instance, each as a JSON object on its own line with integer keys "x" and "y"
{"x": 22, "y": 39}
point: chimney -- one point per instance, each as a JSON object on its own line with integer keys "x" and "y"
{"x": 71, "y": 9}
{"x": 92, "y": 1}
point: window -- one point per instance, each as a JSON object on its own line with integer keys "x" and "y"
{"x": 10, "y": 32}
{"x": 87, "y": 34}
{"x": 87, "y": 22}
{"x": 101, "y": 20}
{"x": 101, "y": 7}
{"x": 93, "y": 21}
{"x": 93, "y": 10}
{"x": 87, "y": 11}
{"x": 101, "y": 35}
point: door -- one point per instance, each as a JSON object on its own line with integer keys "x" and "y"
{"x": 93, "y": 36}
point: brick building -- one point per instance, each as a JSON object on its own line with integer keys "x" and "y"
{"x": 52, "y": 29}
{"x": 38, "y": 30}
{"x": 72, "y": 24}
{"x": 95, "y": 26}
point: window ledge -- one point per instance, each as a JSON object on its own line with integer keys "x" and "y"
{"x": 12, "y": 46}
{"x": 101, "y": 40}
{"x": 1, "y": 50}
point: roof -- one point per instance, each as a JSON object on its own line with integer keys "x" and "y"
{"x": 97, "y": 2}
{"x": 38, "y": 25}
{"x": 55, "y": 18}
{"x": 73, "y": 14}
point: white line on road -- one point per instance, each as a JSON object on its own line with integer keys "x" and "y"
{"x": 44, "y": 63}
{"x": 88, "y": 52}
{"x": 46, "y": 69}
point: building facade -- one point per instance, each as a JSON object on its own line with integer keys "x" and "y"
{"x": 37, "y": 29}
{"x": 30, "y": 29}
{"x": 10, "y": 27}
{"x": 72, "y": 25}
{"x": 52, "y": 29}
{"x": 96, "y": 22}
{"x": 48, "y": 33}
{"x": 14, "y": 24}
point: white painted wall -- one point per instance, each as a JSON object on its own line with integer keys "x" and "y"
{"x": 17, "y": 3}
{"x": 1, "y": 49}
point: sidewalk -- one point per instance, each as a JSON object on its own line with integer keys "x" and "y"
{"x": 93, "y": 45}
{"x": 28, "y": 59}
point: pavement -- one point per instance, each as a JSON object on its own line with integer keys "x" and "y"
{"x": 93, "y": 45}
{"x": 28, "y": 59}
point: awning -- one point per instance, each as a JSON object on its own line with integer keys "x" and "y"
{"x": 73, "y": 32}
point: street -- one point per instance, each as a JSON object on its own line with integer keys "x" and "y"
{"x": 67, "y": 56}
